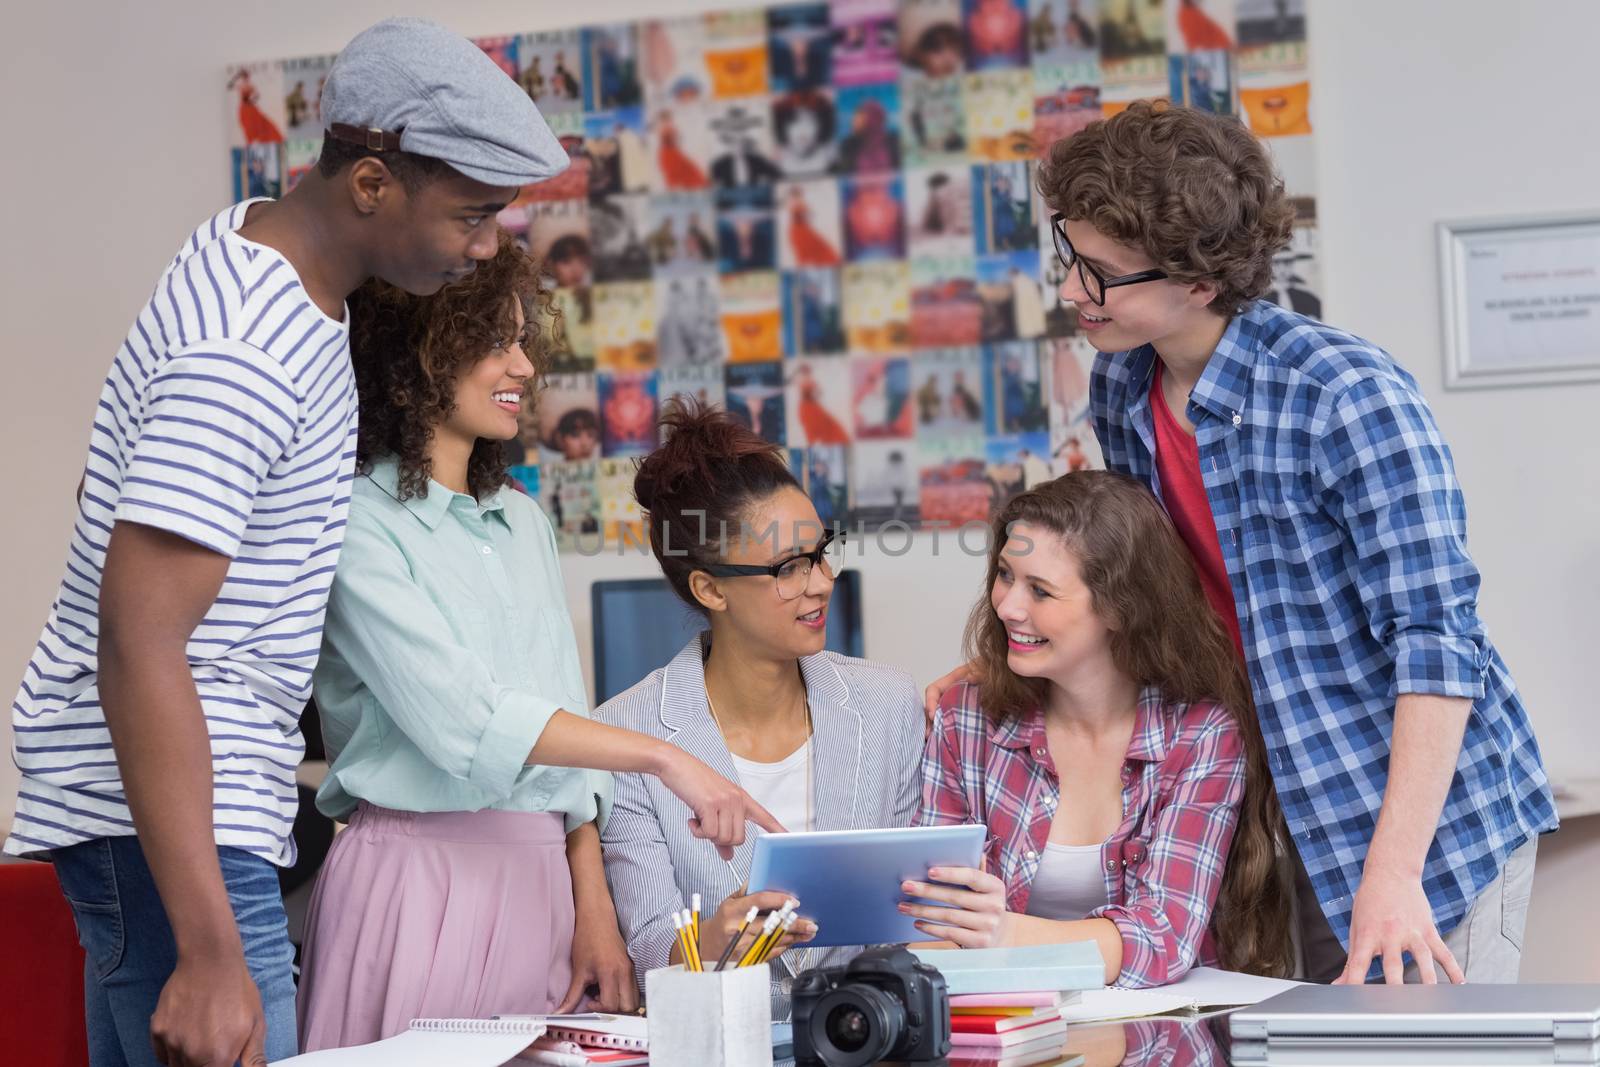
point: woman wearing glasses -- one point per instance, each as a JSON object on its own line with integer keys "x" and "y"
{"x": 822, "y": 741}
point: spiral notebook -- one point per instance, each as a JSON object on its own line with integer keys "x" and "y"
{"x": 429, "y": 1042}
{"x": 595, "y": 1029}
{"x": 558, "y": 1053}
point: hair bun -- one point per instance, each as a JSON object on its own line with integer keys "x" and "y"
{"x": 709, "y": 471}
{"x": 702, "y": 445}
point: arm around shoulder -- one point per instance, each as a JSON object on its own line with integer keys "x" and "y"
{"x": 945, "y": 799}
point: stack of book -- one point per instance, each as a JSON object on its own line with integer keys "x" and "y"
{"x": 1006, "y": 1003}
{"x": 1009, "y": 1029}
{"x": 1065, "y": 968}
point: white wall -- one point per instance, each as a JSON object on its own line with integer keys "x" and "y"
{"x": 114, "y": 125}
{"x": 1424, "y": 117}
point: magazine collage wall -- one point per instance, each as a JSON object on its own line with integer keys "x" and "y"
{"x": 823, "y": 217}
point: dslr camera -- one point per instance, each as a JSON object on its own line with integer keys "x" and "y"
{"x": 883, "y": 1005}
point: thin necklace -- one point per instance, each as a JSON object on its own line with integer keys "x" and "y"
{"x": 811, "y": 734}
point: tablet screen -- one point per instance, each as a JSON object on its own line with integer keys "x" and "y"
{"x": 848, "y": 881}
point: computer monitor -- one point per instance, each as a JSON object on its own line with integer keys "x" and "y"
{"x": 640, "y": 624}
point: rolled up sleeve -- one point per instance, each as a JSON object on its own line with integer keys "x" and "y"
{"x": 1391, "y": 483}
{"x": 516, "y": 718}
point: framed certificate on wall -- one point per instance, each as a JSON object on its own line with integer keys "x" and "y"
{"x": 1521, "y": 300}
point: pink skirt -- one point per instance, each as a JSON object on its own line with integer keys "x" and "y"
{"x": 435, "y": 915}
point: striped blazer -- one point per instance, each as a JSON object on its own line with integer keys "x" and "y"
{"x": 868, "y": 728}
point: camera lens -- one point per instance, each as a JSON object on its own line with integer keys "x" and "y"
{"x": 847, "y": 1028}
{"x": 856, "y": 1025}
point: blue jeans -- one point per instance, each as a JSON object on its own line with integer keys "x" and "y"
{"x": 124, "y": 932}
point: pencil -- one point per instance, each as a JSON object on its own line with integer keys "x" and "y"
{"x": 770, "y": 931}
{"x": 766, "y": 929}
{"x": 777, "y": 935}
{"x": 767, "y": 943}
{"x": 694, "y": 906}
{"x": 683, "y": 941}
{"x": 783, "y": 930}
{"x": 727, "y": 951}
{"x": 788, "y": 915}
{"x": 688, "y": 935}
{"x": 693, "y": 938}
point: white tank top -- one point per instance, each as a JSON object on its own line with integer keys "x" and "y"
{"x": 1069, "y": 883}
{"x": 779, "y": 787}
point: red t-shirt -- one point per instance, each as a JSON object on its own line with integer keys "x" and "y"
{"x": 1184, "y": 493}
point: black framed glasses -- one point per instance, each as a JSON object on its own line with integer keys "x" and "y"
{"x": 1094, "y": 283}
{"x": 793, "y": 574}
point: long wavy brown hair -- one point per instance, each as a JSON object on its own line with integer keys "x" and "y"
{"x": 1164, "y": 633}
{"x": 409, "y": 351}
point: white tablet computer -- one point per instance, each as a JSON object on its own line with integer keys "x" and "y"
{"x": 848, "y": 881}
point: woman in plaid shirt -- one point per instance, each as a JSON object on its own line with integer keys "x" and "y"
{"x": 1111, "y": 750}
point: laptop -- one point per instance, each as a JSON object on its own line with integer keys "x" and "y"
{"x": 1422, "y": 1024}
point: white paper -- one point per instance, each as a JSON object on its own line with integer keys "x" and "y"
{"x": 1201, "y": 989}
{"x": 1209, "y": 987}
{"x": 417, "y": 1049}
{"x": 1104, "y": 1005}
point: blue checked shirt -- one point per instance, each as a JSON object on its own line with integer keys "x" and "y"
{"x": 1344, "y": 535}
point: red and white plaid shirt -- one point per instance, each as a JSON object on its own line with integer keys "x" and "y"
{"x": 1182, "y": 781}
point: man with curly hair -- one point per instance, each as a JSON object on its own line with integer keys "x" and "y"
{"x": 1306, "y": 473}
{"x": 157, "y": 724}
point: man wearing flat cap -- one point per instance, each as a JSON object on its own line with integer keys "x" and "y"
{"x": 157, "y": 722}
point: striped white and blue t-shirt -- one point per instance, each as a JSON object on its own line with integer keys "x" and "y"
{"x": 228, "y": 418}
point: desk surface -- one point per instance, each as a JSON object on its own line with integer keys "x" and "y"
{"x": 1159, "y": 1042}
{"x": 1170, "y": 1041}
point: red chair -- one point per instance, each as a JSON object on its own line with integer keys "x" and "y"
{"x": 41, "y": 971}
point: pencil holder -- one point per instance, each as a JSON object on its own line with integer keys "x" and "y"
{"x": 710, "y": 1018}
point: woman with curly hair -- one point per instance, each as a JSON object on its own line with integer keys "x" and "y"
{"x": 469, "y": 882}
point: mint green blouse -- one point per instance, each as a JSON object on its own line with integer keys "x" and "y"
{"x": 447, "y": 649}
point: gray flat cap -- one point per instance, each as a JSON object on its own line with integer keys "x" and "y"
{"x": 412, "y": 84}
